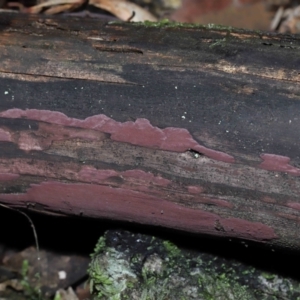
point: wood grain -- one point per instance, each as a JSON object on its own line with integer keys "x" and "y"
{"x": 191, "y": 128}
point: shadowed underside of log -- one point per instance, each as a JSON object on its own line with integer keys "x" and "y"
{"x": 190, "y": 128}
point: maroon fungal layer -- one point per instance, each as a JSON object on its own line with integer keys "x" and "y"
{"x": 136, "y": 206}
{"x": 140, "y": 132}
{"x": 273, "y": 162}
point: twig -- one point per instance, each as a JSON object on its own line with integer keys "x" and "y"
{"x": 32, "y": 226}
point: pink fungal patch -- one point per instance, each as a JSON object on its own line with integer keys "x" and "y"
{"x": 8, "y": 176}
{"x": 273, "y": 162}
{"x": 140, "y": 132}
{"x": 218, "y": 202}
{"x": 4, "y": 136}
{"x": 135, "y": 206}
{"x": 146, "y": 176}
{"x": 28, "y": 142}
{"x": 195, "y": 189}
{"x": 249, "y": 229}
{"x": 42, "y": 138}
{"x": 90, "y": 174}
{"x": 294, "y": 205}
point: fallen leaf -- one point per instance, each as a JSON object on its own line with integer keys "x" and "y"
{"x": 72, "y": 4}
{"x": 62, "y": 8}
{"x": 124, "y": 10}
{"x": 66, "y": 294}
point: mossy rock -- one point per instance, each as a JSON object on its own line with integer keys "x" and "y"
{"x": 134, "y": 266}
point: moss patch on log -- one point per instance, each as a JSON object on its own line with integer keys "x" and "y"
{"x": 133, "y": 266}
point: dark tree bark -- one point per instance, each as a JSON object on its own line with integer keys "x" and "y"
{"x": 195, "y": 129}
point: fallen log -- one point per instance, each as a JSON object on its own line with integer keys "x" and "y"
{"x": 189, "y": 127}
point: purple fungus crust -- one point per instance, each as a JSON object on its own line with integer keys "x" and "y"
{"x": 140, "y": 132}
{"x": 136, "y": 206}
{"x": 273, "y": 162}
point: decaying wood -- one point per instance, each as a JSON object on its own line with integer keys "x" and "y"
{"x": 195, "y": 129}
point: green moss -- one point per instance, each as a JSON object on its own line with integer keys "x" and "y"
{"x": 155, "y": 289}
{"x": 99, "y": 246}
{"x": 110, "y": 274}
{"x": 147, "y": 268}
{"x": 222, "y": 287}
{"x": 219, "y": 27}
{"x": 171, "y": 249}
{"x": 57, "y": 296}
{"x": 170, "y": 24}
{"x": 31, "y": 292}
{"x": 268, "y": 276}
{"x": 165, "y": 23}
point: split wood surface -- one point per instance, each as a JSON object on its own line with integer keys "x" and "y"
{"x": 195, "y": 129}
